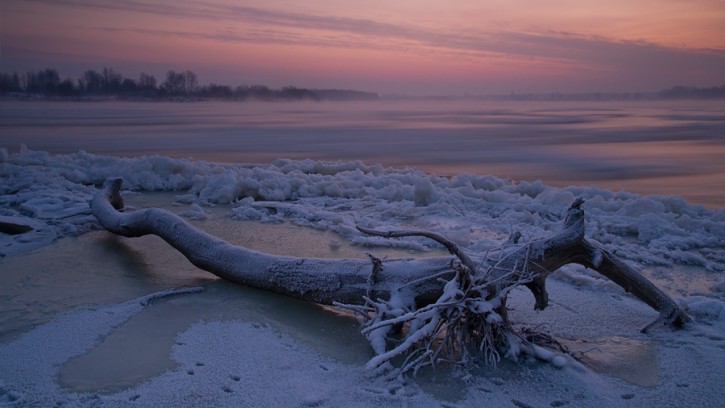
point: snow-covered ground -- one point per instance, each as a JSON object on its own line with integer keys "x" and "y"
{"x": 248, "y": 359}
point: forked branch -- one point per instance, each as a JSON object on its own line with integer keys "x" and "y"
{"x": 469, "y": 304}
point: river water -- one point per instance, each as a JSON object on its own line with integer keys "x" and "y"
{"x": 650, "y": 147}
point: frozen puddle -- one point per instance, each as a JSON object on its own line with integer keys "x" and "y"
{"x": 634, "y": 361}
{"x": 141, "y": 348}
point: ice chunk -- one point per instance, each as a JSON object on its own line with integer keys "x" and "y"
{"x": 18, "y": 225}
{"x": 706, "y": 308}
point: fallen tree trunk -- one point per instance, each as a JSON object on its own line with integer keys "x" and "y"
{"x": 357, "y": 281}
{"x": 318, "y": 280}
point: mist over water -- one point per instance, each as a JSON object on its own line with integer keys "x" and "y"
{"x": 650, "y": 147}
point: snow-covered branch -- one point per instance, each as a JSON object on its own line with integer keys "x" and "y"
{"x": 446, "y": 306}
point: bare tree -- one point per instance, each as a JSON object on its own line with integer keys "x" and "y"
{"x": 91, "y": 82}
{"x": 147, "y": 82}
{"x": 175, "y": 83}
{"x": 45, "y": 81}
{"x": 180, "y": 83}
{"x": 10, "y": 83}
{"x": 190, "y": 82}
{"x": 111, "y": 80}
{"x": 447, "y": 306}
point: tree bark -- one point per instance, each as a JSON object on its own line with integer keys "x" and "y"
{"x": 329, "y": 281}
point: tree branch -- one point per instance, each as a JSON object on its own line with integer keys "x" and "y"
{"x": 451, "y": 246}
{"x": 347, "y": 280}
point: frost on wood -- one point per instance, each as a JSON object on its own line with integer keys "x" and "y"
{"x": 424, "y": 311}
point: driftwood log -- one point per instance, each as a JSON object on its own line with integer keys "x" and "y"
{"x": 478, "y": 277}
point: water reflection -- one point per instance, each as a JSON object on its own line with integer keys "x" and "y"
{"x": 141, "y": 348}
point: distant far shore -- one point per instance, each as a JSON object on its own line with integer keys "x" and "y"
{"x": 290, "y": 94}
{"x": 177, "y": 86}
{"x": 27, "y": 97}
{"x": 183, "y": 86}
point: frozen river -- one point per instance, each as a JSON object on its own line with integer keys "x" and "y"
{"x": 650, "y": 147}
{"x": 74, "y": 331}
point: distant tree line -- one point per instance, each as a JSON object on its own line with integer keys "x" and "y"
{"x": 691, "y": 92}
{"x": 677, "y": 92}
{"x": 184, "y": 84}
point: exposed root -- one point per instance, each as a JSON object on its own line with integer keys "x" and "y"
{"x": 536, "y": 335}
{"x": 467, "y": 323}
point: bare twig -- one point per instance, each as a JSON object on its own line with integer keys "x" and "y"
{"x": 451, "y": 246}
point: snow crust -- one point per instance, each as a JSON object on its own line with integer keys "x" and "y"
{"x": 475, "y": 211}
{"x": 238, "y": 363}
{"x": 50, "y": 194}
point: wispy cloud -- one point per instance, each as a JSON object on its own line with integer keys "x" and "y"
{"x": 268, "y": 27}
{"x": 234, "y": 23}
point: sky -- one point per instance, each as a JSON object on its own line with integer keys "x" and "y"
{"x": 412, "y": 47}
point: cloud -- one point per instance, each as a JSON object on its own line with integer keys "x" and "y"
{"x": 603, "y": 51}
{"x": 233, "y": 23}
{"x": 566, "y": 48}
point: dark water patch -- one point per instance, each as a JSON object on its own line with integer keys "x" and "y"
{"x": 634, "y": 361}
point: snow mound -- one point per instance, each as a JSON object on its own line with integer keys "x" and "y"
{"x": 705, "y": 308}
{"x": 477, "y": 211}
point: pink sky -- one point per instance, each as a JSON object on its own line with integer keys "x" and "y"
{"x": 418, "y": 47}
